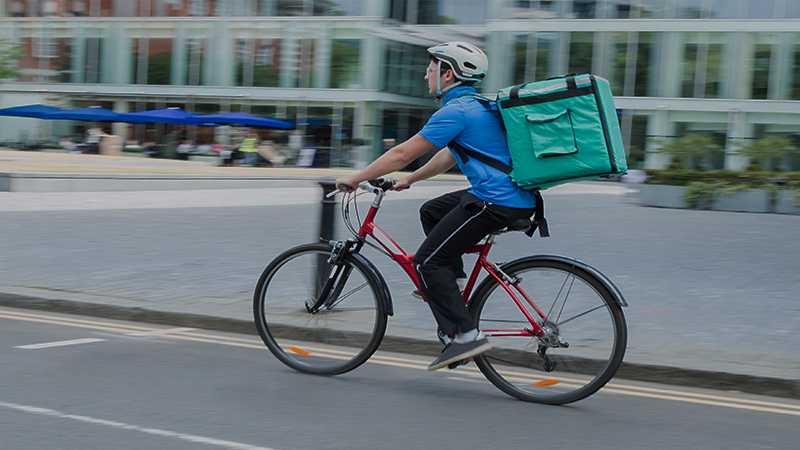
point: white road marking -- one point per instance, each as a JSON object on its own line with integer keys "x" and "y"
{"x": 616, "y": 386}
{"x": 60, "y": 343}
{"x": 466, "y": 379}
{"x": 125, "y": 426}
{"x": 158, "y": 332}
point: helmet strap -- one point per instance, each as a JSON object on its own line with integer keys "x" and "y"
{"x": 439, "y": 91}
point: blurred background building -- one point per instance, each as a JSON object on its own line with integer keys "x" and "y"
{"x": 350, "y": 72}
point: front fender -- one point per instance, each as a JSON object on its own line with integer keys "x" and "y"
{"x": 384, "y": 287}
{"x": 604, "y": 280}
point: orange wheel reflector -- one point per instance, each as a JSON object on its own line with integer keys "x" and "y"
{"x": 300, "y": 351}
{"x": 544, "y": 383}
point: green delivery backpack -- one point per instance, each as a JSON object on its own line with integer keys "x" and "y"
{"x": 560, "y": 130}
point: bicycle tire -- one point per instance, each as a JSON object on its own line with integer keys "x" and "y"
{"x": 335, "y": 339}
{"x": 587, "y": 317}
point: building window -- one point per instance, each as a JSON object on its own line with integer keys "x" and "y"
{"x": 547, "y": 46}
{"x": 265, "y": 55}
{"x": 544, "y": 9}
{"x": 761, "y": 9}
{"x": 404, "y": 69}
{"x": 761, "y": 59}
{"x": 714, "y": 71}
{"x": 689, "y": 69}
{"x": 620, "y": 9}
{"x": 646, "y": 64}
{"x": 345, "y": 64}
{"x": 79, "y": 8}
{"x": 584, "y": 9}
{"x": 338, "y": 8}
{"x": 724, "y": 9}
{"x": 617, "y": 62}
{"x": 795, "y": 95}
{"x": 265, "y": 69}
{"x": 397, "y": 10}
{"x": 242, "y": 51}
{"x": 520, "y": 59}
{"x": 792, "y": 10}
{"x": 435, "y": 12}
{"x": 690, "y": 9}
{"x": 194, "y": 61}
{"x": 197, "y": 7}
{"x": 45, "y": 48}
{"x": 581, "y": 46}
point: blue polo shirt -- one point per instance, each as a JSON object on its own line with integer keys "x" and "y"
{"x": 478, "y": 127}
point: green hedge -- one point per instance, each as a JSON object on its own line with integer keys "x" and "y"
{"x": 744, "y": 180}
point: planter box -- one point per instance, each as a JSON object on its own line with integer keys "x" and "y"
{"x": 784, "y": 204}
{"x": 663, "y": 196}
{"x": 751, "y": 200}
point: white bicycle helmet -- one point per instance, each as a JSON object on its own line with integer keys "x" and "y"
{"x": 468, "y": 62}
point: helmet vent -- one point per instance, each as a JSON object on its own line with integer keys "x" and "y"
{"x": 465, "y": 48}
{"x": 469, "y": 65}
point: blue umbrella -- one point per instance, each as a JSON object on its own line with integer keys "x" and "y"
{"x": 175, "y": 116}
{"x": 93, "y": 113}
{"x": 243, "y": 119}
{"x": 29, "y": 111}
{"x": 314, "y": 122}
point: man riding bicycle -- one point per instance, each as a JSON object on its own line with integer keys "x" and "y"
{"x": 456, "y": 221}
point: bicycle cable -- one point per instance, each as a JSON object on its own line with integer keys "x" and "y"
{"x": 350, "y": 198}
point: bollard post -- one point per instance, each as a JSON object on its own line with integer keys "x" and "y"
{"x": 328, "y": 208}
{"x": 326, "y": 219}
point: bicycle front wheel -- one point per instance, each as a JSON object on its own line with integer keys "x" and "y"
{"x": 585, "y": 331}
{"x": 339, "y": 336}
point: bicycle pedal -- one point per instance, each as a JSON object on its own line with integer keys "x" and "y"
{"x": 463, "y": 362}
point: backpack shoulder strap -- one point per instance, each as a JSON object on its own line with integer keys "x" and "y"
{"x": 465, "y": 153}
{"x": 538, "y": 218}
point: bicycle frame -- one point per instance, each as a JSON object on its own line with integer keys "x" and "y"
{"x": 370, "y": 229}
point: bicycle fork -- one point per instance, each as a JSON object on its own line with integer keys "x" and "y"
{"x": 334, "y": 272}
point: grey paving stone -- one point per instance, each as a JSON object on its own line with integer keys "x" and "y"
{"x": 708, "y": 290}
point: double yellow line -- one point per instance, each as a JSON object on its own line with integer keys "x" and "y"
{"x": 789, "y": 407}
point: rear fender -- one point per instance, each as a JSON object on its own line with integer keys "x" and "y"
{"x": 604, "y": 280}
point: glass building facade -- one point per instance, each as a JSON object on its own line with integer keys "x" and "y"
{"x": 348, "y": 69}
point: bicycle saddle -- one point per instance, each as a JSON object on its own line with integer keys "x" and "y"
{"x": 519, "y": 225}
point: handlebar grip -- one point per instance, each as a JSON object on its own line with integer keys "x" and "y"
{"x": 344, "y": 187}
{"x": 384, "y": 184}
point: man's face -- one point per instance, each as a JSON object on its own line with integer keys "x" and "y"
{"x": 430, "y": 75}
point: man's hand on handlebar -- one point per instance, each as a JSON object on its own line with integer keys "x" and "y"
{"x": 346, "y": 184}
{"x": 401, "y": 184}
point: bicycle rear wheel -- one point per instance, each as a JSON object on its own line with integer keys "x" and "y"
{"x": 586, "y": 332}
{"x": 338, "y": 337}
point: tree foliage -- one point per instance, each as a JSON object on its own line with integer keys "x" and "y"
{"x": 686, "y": 148}
{"x": 10, "y": 53}
{"x": 768, "y": 150}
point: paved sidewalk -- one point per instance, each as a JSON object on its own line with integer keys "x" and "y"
{"x": 713, "y": 295}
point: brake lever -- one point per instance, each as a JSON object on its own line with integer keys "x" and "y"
{"x": 336, "y": 191}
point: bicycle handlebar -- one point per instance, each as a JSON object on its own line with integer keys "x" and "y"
{"x": 384, "y": 184}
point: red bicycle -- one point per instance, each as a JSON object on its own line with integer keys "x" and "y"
{"x": 555, "y": 324}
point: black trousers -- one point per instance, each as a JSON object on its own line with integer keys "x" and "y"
{"x": 453, "y": 223}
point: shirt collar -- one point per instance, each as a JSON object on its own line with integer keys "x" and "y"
{"x": 456, "y": 91}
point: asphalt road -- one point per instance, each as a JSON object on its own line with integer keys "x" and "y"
{"x": 124, "y": 385}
